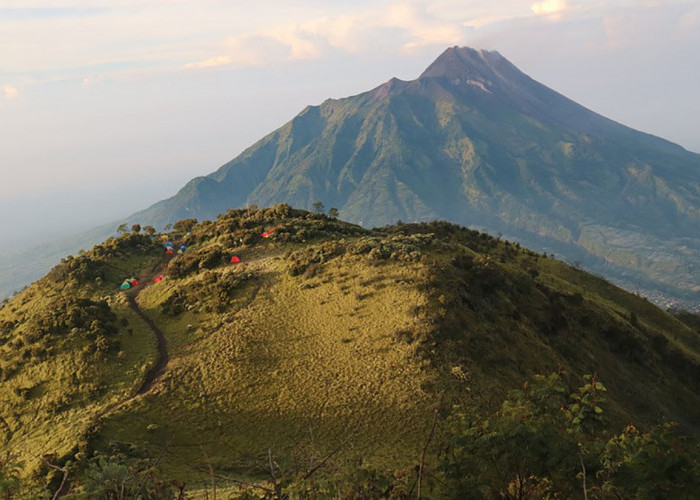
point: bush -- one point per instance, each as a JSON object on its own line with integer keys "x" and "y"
{"x": 215, "y": 291}
{"x": 196, "y": 260}
{"x": 77, "y": 314}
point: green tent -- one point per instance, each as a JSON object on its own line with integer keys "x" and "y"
{"x": 126, "y": 285}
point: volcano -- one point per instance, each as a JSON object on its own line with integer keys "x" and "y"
{"x": 475, "y": 141}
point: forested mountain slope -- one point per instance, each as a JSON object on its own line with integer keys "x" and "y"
{"x": 475, "y": 141}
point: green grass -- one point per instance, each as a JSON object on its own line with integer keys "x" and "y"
{"x": 69, "y": 386}
{"x": 326, "y": 340}
{"x": 298, "y": 363}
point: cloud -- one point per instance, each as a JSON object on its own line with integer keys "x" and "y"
{"x": 549, "y": 7}
{"x": 145, "y": 36}
{"x": 691, "y": 19}
{"x": 634, "y": 26}
{"x": 141, "y": 37}
{"x": 400, "y": 27}
{"x": 303, "y": 42}
{"x": 212, "y": 62}
{"x": 10, "y": 92}
{"x": 248, "y": 51}
{"x": 91, "y": 80}
{"x": 423, "y": 28}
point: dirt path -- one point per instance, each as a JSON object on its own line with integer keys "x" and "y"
{"x": 158, "y": 368}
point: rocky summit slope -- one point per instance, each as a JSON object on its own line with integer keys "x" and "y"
{"x": 323, "y": 344}
{"x": 475, "y": 141}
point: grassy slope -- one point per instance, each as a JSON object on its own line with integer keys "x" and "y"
{"x": 55, "y": 383}
{"x": 331, "y": 336}
{"x": 293, "y": 368}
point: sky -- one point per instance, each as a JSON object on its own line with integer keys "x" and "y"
{"x": 107, "y": 106}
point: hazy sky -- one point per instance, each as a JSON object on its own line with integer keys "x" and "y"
{"x": 107, "y": 106}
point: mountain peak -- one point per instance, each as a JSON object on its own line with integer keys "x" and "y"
{"x": 465, "y": 62}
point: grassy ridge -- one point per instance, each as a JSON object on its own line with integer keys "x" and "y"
{"x": 296, "y": 367}
{"x": 328, "y": 340}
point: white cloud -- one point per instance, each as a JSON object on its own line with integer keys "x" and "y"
{"x": 247, "y": 51}
{"x": 691, "y": 19}
{"x": 133, "y": 38}
{"x": 549, "y": 7}
{"x": 423, "y": 28}
{"x": 110, "y": 36}
{"x": 10, "y": 92}
{"x": 647, "y": 26}
{"x": 212, "y": 62}
{"x": 91, "y": 80}
{"x": 303, "y": 42}
{"x": 392, "y": 28}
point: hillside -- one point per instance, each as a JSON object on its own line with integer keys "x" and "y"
{"x": 328, "y": 346}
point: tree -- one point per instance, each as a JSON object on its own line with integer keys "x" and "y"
{"x": 523, "y": 450}
{"x": 150, "y": 230}
{"x": 546, "y": 441}
{"x": 9, "y": 476}
{"x": 655, "y": 464}
{"x": 136, "y": 228}
{"x": 185, "y": 225}
{"x": 334, "y": 212}
{"x": 122, "y": 228}
{"x": 120, "y": 477}
{"x": 318, "y": 206}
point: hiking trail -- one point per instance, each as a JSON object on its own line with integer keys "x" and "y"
{"x": 159, "y": 367}
{"x": 161, "y": 363}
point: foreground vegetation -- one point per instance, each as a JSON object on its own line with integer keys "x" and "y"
{"x": 543, "y": 442}
{"x": 337, "y": 361}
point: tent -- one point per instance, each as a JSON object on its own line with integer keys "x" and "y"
{"x": 182, "y": 249}
{"x": 158, "y": 279}
{"x": 169, "y": 251}
{"x": 169, "y": 244}
{"x": 129, "y": 283}
{"x": 266, "y": 234}
{"x": 235, "y": 259}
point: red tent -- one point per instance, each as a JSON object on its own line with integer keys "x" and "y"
{"x": 158, "y": 279}
{"x": 135, "y": 282}
{"x": 235, "y": 259}
{"x": 267, "y": 233}
{"x": 169, "y": 251}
